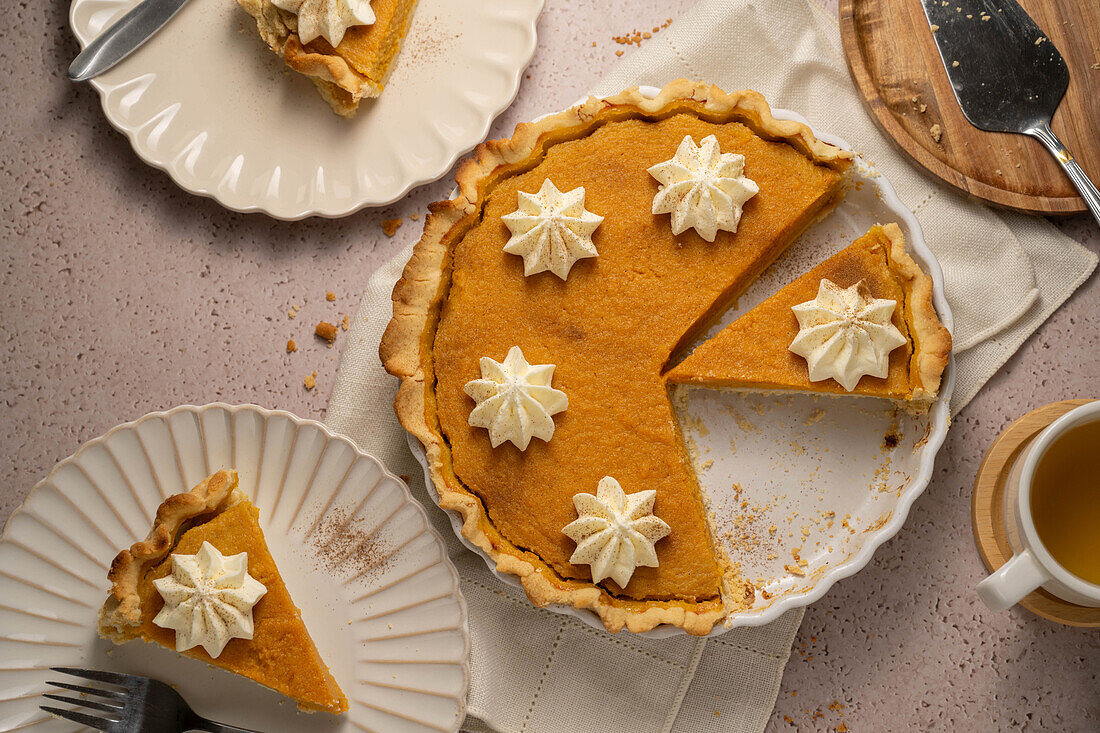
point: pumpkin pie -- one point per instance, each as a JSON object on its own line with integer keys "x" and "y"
{"x": 280, "y": 653}
{"x": 754, "y": 351}
{"x": 356, "y": 67}
{"x": 623, "y": 279}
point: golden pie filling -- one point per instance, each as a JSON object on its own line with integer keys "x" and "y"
{"x": 371, "y": 49}
{"x": 610, "y": 328}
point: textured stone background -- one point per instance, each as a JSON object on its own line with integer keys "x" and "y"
{"x": 122, "y": 295}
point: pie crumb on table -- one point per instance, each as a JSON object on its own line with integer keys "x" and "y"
{"x": 326, "y": 331}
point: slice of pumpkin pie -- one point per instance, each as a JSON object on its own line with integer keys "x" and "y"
{"x": 204, "y": 583}
{"x": 346, "y": 47}
{"x": 862, "y": 322}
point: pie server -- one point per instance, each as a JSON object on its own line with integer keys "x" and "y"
{"x": 1006, "y": 74}
{"x": 123, "y": 38}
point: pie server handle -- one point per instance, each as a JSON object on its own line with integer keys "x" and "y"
{"x": 1042, "y": 132}
{"x": 123, "y": 38}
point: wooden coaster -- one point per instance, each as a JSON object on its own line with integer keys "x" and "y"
{"x": 987, "y": 513}
{"x": 893, "y": 60}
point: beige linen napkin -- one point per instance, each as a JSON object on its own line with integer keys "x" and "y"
{"x": 533, "y": 670}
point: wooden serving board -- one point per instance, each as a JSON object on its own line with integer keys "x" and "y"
{"x": 987, "y": 511}
{"x": 893, "y": 59}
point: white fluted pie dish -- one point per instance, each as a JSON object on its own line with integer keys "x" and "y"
{"x": 804, "y": 487}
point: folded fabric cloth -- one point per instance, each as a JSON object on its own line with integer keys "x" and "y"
{"x": 534, "y": 670}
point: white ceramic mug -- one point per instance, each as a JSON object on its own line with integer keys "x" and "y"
{"x": 1032, "y": 565}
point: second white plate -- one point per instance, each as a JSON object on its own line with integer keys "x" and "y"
{"x": 208, "y": 102}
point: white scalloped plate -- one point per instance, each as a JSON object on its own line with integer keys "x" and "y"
{"x": 812, "y": 467}
{"x": 208, "y": 102}
{"x": 376, "y": 588}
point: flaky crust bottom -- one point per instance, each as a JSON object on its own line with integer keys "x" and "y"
{"x": 337, "y": 82}
{"x": 406, "y": 348}
{"x": 931, "y": 340}
{"x": 120, "y": 614}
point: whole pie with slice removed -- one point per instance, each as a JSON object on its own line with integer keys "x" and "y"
{"x": 206, "y": 554}
{"x": 538, "y": 315}
{"x": 349, "y": 63}
{"x": 754, "y": 351}
{"x": 552, "y": 246}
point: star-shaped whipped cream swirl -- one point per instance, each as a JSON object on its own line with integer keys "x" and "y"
{"x": 551, "y": 230}
{"x": 208, "y": 599}
{"x": 702, "y": 187}
{"x": 844, "y": 333}
{"x": 615, "y": 532}
{"x": 515, "y": 400}
{"x": 328, "y": 18}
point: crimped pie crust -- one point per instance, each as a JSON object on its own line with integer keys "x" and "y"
{"x": 931, "y": 341}
{"x": 217, "y": 499}
{"x": 407, "y": 345}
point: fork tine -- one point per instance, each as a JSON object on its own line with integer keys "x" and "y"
{"x": 93, "y": 704}
{"x": 112, "y": 694}
{"x": 84, "y": 719}
{"x": 111, "y": 678}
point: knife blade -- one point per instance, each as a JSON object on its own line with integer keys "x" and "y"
{"x": 123, "y": 38}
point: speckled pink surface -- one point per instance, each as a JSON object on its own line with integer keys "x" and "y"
{"x": 122, "y": 295}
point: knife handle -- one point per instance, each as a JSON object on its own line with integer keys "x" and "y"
{"x": 1087, "y": 188}
{"x": 122, "y": 38}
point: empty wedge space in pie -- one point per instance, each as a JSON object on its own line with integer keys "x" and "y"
{"x": 538, "y": 323}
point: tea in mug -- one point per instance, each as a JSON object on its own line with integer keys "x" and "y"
{"x": 1065, "y": 501}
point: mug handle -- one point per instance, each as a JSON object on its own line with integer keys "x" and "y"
{"x": 1012, "y": 581}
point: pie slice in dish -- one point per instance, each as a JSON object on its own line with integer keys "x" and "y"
{"x": 754, "y": 351}
{"x": 280, "y": 655}
{"x": 356, "y": 68}
{"x": 582, "y": 242}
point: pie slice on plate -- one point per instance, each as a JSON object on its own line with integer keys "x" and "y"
{"x": 348, "y": 62}
{"x": 209, "y": 539}
{"x": 755, "y": 351}
{"x": 538, "y": 312}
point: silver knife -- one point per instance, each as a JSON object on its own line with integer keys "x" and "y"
{"x": 1006, "y": 74}
{"x": 123, "y": 38}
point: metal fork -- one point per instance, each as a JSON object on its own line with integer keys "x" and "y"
{"x": 142, "y": 705}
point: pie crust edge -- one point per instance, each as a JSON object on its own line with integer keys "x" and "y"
{"x": 931, "y": 339}
{"x": 406, "y": 346}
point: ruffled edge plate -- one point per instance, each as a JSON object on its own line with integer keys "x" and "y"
{"x": 377, "y": 590}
